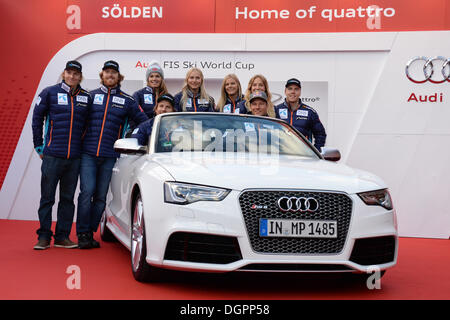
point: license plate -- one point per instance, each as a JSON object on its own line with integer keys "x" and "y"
{"x": 298, "y": 228}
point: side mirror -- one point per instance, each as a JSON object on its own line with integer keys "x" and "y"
{"x": 129, "y": 146}
{"x": 330, "y": 154}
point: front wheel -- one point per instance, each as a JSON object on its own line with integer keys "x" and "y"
{"x": 142, "y": 271}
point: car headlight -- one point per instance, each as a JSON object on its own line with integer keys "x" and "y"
{"x": 183, "y": 193}
{"x": 377, "y": 198}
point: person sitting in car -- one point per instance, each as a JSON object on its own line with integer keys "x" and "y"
{"x": 258, "y": 104}
{"x": 257, "y": 83}
{"x": 165, "y": 104}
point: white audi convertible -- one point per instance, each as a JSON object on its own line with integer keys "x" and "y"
{"x": 219, "y": 192}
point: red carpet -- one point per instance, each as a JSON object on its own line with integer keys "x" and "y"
{"x": 422, "y": 273}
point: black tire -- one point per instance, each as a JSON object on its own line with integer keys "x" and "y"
{"x": 105, "y": 234}
{"x": 142, "y": 271}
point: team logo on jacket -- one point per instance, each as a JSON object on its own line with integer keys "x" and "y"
{"x": 98, "y": 99}
{"x": 283, "y": 113}
{"x": 118, "y": 100}
{"x": 148, "y": 98}
{"x": 62, "y": 98}
{"x": 83, "y": 99}
{"x": 302, "y": 113}
{"x": 227, "y": 108}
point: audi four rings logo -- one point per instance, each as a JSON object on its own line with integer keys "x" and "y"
{"x": 298, "y": 204}
{"x": 439, "y": 66}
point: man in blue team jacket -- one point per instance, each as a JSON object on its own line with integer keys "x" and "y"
{"x": 302, "y": 117}
{"x": 107, "y": 122}
{"x": 64, "y": 107}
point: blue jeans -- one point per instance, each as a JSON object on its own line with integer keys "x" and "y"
{"x": 64, "y": 171}
{"x": 95, "y": 175}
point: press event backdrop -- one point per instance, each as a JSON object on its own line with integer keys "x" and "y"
{"x": 350, "y": 56}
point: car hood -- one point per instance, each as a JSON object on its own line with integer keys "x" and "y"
{"x": 244, "y": 171}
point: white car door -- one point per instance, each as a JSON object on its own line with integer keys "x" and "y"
{"x": 121, "y": 188}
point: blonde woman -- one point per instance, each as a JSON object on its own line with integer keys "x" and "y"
{"x": 193, "y": 96}
{"x": 258, "y": 83}
{"x": 231, "y": 96}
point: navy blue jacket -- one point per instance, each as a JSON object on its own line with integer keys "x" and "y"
{"x": 65, "y": 115}
{"x": 143, "y": 131}
{"x": 146, "y": 99}
{"x": 194, "y": 103}
{"x": 237, "y": 107}
{"x": 108, "y": 120}
{"x": 306, "y": 120}
{"x": 242, "y": 108}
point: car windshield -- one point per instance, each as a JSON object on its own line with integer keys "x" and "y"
{"x": 228, "y": 133}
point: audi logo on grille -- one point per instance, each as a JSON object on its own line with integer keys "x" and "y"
{"x": 295, "y": 204}
{"x": 430, "y": 67}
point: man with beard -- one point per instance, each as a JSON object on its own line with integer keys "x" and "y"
{"x": 107, "y": 122}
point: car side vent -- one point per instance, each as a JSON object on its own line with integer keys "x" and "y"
{"x": 370, "y": 251}
{"x": 202, "y": 248}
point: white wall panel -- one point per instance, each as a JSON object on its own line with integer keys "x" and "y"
{"x": 424, "y": 191}
{"x": 342, "y": 132}
{"x": 406, "y": 143}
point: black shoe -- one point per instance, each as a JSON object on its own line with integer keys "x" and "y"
{"x": 84, "y": 241}
{"x": 94, "y": 243}
{"x": 66, "y": 243}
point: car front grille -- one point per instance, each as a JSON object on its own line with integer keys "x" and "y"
{"x": 332, "y": 206}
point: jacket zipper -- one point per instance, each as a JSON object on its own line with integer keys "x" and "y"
{"x": 103, "y": 124}
{"x": 51, "y": 131}
{"x": 71, "y": 123}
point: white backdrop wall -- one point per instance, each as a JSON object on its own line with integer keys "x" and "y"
{"x": 356, "y": 81}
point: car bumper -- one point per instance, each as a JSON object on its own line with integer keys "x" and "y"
{"x": 225, "y": 218}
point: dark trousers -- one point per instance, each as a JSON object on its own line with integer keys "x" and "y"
{"x": 65, "y": 172}
{"x": 95, "y": 175}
